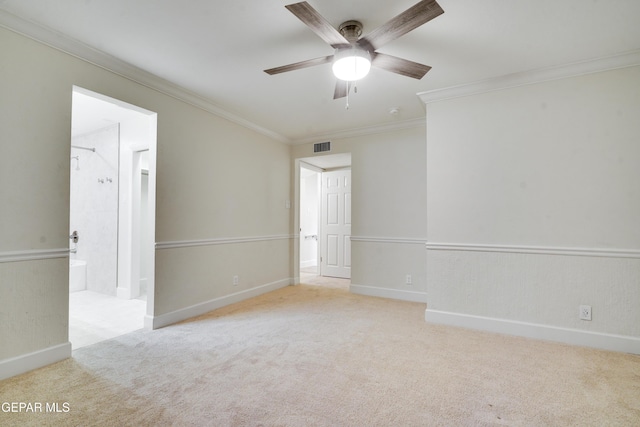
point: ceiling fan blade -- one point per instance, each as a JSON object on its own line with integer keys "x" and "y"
{"x": 299, "y": 65}
{"x": 408, "y": 20}
{"x": 342, "y": 89}
{"x": 399, "y": 65}
{"x": 318, "y": 24}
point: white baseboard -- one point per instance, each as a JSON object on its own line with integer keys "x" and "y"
{"x": 621, "y": 343}
{"x": 156, "y": 322}
{"x": 398, "y": 294}
{"x": 28, "y": 362}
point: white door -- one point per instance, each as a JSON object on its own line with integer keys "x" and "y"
{"x": 335, "y": 243}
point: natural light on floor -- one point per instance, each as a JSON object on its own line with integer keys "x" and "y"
{"x": 95, "y": 317}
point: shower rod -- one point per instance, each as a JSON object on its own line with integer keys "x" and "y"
{"x": 84, "y": 148}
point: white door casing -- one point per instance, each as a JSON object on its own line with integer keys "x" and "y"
{"x": 336, "y": 224}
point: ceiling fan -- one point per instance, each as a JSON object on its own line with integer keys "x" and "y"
{"x": 354, "y": 54}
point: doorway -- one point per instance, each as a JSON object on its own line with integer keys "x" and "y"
{"x": 112, "y": 217}
{"x": 323, "y": 249}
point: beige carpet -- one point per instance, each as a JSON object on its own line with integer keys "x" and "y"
{"x": 318, "y": 356}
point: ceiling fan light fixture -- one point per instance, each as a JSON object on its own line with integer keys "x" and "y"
{"x": 351, "y": 64}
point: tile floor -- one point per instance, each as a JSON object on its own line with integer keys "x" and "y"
{"x": 95, "y": 317}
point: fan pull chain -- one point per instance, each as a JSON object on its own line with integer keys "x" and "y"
{"x": 347, "y": 106}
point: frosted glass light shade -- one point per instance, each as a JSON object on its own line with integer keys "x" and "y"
{"x": 351, "y": 64}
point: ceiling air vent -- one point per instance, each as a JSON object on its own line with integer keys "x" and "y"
{"x": 321, "y": 146}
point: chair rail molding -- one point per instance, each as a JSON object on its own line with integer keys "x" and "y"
{"x": 33, "y": 254}
{"x": 402, "y": 240}
{"x": 543, "y": 250}
{"x": 220, "y": 241}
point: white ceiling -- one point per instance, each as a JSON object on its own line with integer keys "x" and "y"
{"x": 218, "y": 50}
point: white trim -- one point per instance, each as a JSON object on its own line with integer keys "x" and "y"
{"x": 399, "y": 294}
{"x": 123, "y": 293}
{"x": 30, "y": 361}
{"x": 155, "y": 322}
{"x": 103, "y": 60}
{"x": 626, "y": 344}
{"x": 219, "y": 241}
{"x": 544, "y": 250}
{"x": 33, "y": 255}
{"x": 403, "y": 240}
{"x": 623, "y": 60}
{"x": 363, "y": 131}
{"x": 305, "y": 165}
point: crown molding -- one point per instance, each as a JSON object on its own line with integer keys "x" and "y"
{"x": 623, "y": 60}
{"x": 363, "y": 131}
{"x": 110, "y": 63}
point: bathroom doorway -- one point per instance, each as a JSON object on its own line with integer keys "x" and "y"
{"x": 112, "y": 217}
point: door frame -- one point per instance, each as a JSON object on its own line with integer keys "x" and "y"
{"x": 329, "y": 161}
{"x": 319, "y": 171}
{"x": 137, "y": 138}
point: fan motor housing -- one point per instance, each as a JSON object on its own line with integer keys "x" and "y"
{"x": 351, "y": 30}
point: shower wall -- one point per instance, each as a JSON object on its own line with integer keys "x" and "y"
{"x": 94, "y": 206}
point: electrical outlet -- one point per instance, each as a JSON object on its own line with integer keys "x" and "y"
{"x": 585, "y": 312}
{"x": 236, "y": 280}
{"x": 408, "y": 280}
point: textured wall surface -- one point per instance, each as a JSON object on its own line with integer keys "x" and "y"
{"x": 388, "y": 208}
{"x": 387, "y": 265}
{"x": 191, "y": 275}
{"x": 537, "y": 288}
{"x": 547, "y": 164}
{"x": 538, "y": 169}
{"x": 34, "y": 305}
{"x": 215, "y": 179}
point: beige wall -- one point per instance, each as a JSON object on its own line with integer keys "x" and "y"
{"x": 216, "y": 182}
{"x": 388, "y": 210}
{"x": 534, "y": 205}
{"x": 544, "y": 164}
{"x": 548, "y": 165}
